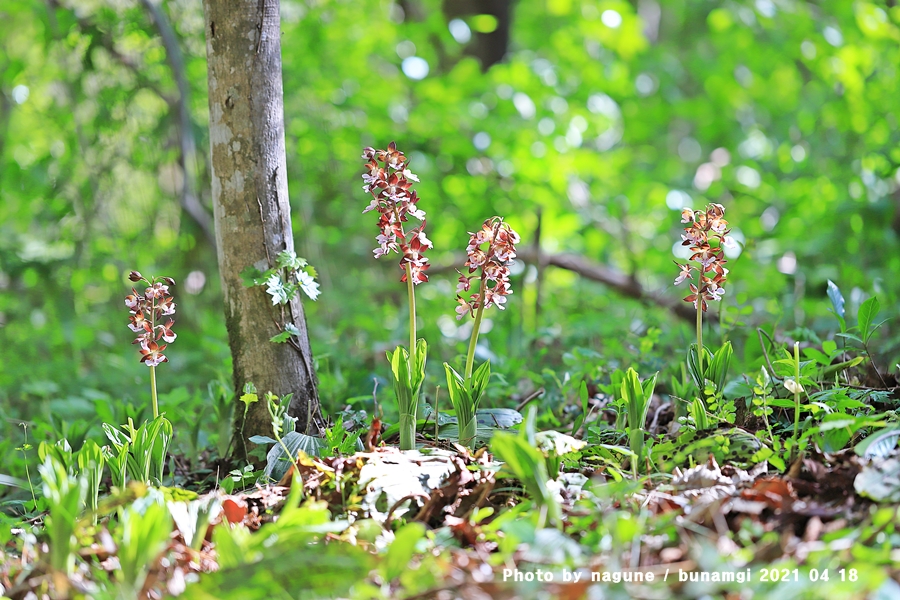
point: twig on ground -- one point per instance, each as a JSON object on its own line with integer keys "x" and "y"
{"x": 535, "y": 394}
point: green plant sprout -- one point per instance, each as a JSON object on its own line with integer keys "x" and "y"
{"x": 865, "y": 328}
{"x": 146, "y": 314}
{"x": 91, "y": 462}
{"x": 794, "y": 386}
{"x": 389, "y": 180}
{"x": 88, "y": 462}
{"x": 144, "y": 534}
{"x": 636, "y": 396}
{"x": 523, "y": 459}
{"x": 278, "y": 414}
{"x": 762, "y": 396}
{"x": 490, "y": 251}
{"x": 24, "y": 448}
{"x": 65, "y": 495}
{"x": 140, "y": 451}
{"x": 247, "y": 398}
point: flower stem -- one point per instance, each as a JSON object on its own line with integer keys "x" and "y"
{"x": 412, "y": 312}
{"x": 408, "y": 413}
{"x": 153, "y": 391}
{"x": 153, "y": 368}
{"x": 796, "y": 396}
{"x": 473, "y": 341}
{"x": 700, "y": 342}
{"x": 408, "y": 431}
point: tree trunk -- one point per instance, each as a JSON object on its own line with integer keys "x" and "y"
{"x": 251, "y": 206}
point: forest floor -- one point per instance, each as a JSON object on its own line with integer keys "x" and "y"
{"x": 443, "y": 522}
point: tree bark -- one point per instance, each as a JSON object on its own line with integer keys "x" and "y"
{"x": 251, "y": 206}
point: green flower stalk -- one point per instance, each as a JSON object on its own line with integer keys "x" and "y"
{"x": 490, "y": 251}
{"x": 388, "y": 180}
{"x": 794, "y": 386}
{"x": 146, "y": 315}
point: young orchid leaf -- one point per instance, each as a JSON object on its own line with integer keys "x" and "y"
{"x": 408, "y": 376}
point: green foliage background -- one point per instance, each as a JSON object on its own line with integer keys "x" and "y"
{"x": 604, "y": 120}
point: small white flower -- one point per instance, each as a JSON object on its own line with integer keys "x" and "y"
{"x": 792, "y": 386}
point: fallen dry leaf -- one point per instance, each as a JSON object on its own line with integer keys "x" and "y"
{"x": 235, "y": 509}
{"x": 775, "y": 492}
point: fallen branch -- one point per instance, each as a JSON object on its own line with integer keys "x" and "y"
{"x": 609, "y": 276}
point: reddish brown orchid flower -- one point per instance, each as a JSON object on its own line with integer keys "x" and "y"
{"x": 389, "y": 181}
{"x": 145, "y": 317}
{"x": 493, "y": 261}
{"x": 706, "y": 235}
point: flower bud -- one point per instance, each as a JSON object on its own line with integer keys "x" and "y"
{"x": 135, "y": 276}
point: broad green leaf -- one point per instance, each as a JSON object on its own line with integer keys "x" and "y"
{"x": 831, "y": 369}
{"x": 717, "y": 371}
{"x": 480, "y": 379}
{"x": 694, "y": 367}
{"x": 866, "y": 316}
{"x": 281, "y": 337}
{"x": 401, "y": 550}
{"x": 850, "y": 336}
{"x": 262, "y": 439}
{"x": 65, "y": 494}
{"x": 777, "y": 462}
{"x": 277, "y": 461}
{"x": 636, "y": 402}
{"x": 880, "y": 481}
{"x": 498, "y": 417}
{"x": 526, "y": 463}
{"x": 250, "y": 276}
{"x": 698, "y": 412}
{"x": 879, "y": 444}
{"x": 838, "y": 421}
{"x": 417, "y": 377}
